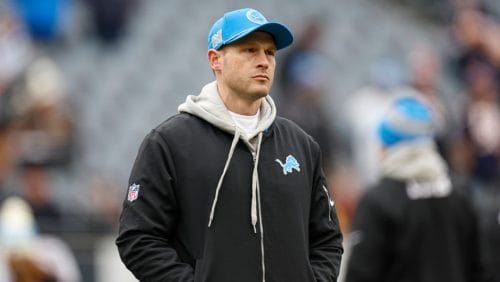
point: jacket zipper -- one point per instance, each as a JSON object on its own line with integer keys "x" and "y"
{"x": 263, "y": 264}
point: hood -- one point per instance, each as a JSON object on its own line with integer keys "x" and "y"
{"x": 417, "y": 161}
{"x": 209, "y": 106}
{"x": 421, "y": 167}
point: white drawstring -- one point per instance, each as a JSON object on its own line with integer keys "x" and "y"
{"x": 255, "y": 185}
{"x": 255, "y": 194}
{"x": 261, "y": 231}
{"x": 230, "y": 155}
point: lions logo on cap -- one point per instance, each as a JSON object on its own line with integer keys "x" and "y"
{"x": 216, "y": 38}
{"x": 255, "y": 17}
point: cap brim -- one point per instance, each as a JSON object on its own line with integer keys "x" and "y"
{"x": 281, "y": 34}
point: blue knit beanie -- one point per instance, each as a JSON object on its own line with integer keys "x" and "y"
{"x": 408, "y": 119}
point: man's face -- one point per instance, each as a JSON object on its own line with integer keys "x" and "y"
{"x": 247, "y": 66}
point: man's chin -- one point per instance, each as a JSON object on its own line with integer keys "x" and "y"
{"x": 261, "y": 91}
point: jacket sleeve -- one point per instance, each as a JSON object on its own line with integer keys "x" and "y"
{"x": 148, "y": 223}
{"x": 369, "y": 243}
{"x": 325, "y": 237}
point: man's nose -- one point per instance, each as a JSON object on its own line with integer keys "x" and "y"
{"x": 262, "y": 59}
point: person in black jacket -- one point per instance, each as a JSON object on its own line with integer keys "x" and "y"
{"x": 414, "y": 225}
{"x": 226, "y": 190}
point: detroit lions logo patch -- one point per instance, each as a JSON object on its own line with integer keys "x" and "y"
{"x": 290, "y": 164}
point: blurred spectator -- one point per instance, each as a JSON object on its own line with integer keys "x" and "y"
{"x": 27, "y": 256}
{"x": 477, "y": 152}
{"x": 42, "y": 118}
{"x": 414, "y": 225}
{"x": 476, "y": 38}
{"x": 7, "y": 160}
{"x": 15, "y": 52}
{"x": 111, "y": 17}
{"x": 425, "y": 81}
{"x": 43, "y": 19}
{"x": 303, "y": 86}
{"x": 365, "y": 108}
{"x": 36, "y": 190}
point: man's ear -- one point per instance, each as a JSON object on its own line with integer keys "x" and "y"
{"x": 214, "y": 59}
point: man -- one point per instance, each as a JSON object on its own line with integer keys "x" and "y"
{"x": 225, "y": 190}
{"x": 414, "y": 225}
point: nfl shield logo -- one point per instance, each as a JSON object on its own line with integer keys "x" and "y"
{"x": 133, "y": 192}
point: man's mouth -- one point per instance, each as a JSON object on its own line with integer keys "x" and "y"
{"x": 261, "y": 77}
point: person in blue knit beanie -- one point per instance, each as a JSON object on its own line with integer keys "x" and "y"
{"x": 414, "y": 224}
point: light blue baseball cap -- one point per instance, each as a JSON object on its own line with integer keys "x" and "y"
{"x": 408, "y": 119}
{"x": 237, "y": 24}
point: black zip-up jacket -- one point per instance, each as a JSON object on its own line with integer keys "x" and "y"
{"x": 164, "y": 233}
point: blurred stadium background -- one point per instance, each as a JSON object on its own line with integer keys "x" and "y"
{"x": 82, "y": 82}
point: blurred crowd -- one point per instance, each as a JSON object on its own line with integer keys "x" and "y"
{"x": 38, "y": 240}
{"x": 38, "y": 128}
